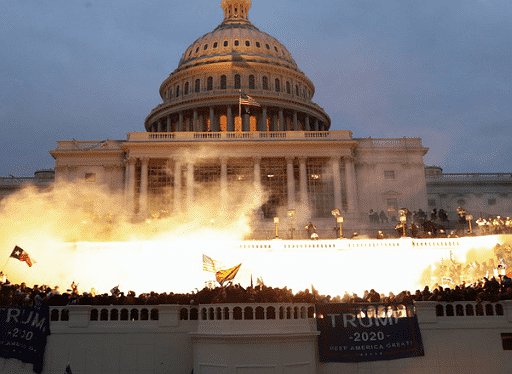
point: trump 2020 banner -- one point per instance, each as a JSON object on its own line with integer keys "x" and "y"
{"x": 23, "y": 333}
{"x": 367, "y": 332}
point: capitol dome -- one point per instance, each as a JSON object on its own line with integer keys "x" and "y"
{"x": 227, "y": 66}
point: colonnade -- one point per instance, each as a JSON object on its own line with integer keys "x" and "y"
{"x": 296, "y": 194}
{"x": 225, "y": 118}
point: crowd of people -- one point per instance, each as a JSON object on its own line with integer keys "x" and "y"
{"x": 451, "y": 284}
{"x": 419, "y": 223}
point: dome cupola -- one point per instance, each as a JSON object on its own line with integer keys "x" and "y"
{"x": 236, "y": 10}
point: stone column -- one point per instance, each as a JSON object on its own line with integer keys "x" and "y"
{"x": 351, "y": 183}
{"x": 303, "y": 181}
{"x": 263, "y": 120}
{"x": 178, "y": 199}
{"x": 275, "y": 125}
{"x": 231, "y": 120}
{"x": 290, "y": 182}
{"x": 295, "y": 121}
{"x": 307, "y": 126}
{"x": 195, "y": 119}
{"x": 316, "y": 124}
{"x": 257, "y": 174}
{"x": 246, "y": 127}
{"x": 130, "y": 184}
{"x": 169, "y": 124}
{"x": 180, "y": 121}
{"x": 190, "y": 185}
{"x": 213, "y": 125}
{"x": 224, "y": 182}
{"x": 143, "y": 210}
{"x": 281, "y": 121}
{"x": 336, "y": 182}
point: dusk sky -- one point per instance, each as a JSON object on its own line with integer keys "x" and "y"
{"x": 91, "y": 69}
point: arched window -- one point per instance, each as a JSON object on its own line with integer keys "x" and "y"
{"x": 184, "y": 314}
{"x": 134, "y": 315}
{"x": 252, "y": 84}
{"x": 177, "y": 91}
{"x": 226, "y": 43}
{"x": 209, "y": 84}
{"x": 223, "y": 82}
{"x": 94, "y": 315}
{"x": 144, "y": 315}
{"x": 197, "y": 85}
{"x": 114, "y": 315}
{"x": 288, "y": 88}
{"x": 264, "y": 82}
{"x": 237, "y": 81}
{"x": 278, "y": 85}
{"x": 296, "y": 90}
{"x": 215, "y": 45}
{"x": 104, "y": 315}
{"x": 247, "y": 43}
{"x": 187, "y": 87}
{"x": 237, "y": 43}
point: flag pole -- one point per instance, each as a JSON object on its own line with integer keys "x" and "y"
{"x": 240, "y": 106}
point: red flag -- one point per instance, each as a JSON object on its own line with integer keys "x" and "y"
{"x": 19, "y": 254}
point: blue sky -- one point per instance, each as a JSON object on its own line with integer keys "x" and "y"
{"x": 91, "y": 69}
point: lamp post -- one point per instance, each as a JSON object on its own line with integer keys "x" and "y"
{"x": 336, "y": 213}
{"x": 276, "y": 226}
{"x": 403, "y": 221}
{"x": 291, "y": 222}
{"x": 469, "y": 219}
{"x": 339, "y": 221}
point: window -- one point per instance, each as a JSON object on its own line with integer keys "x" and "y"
{"x": 288, "y": 88}
{"x": 258, "y": 44}
{"x": 197, "y": 85}
{"x": 267, "y": 46}
{"x": 237, "y": 81}
{"x": 247, "y": 43}
{"x": 223, "y": 82}
{"x": 205, "y": 47}
{"x": 296, "y": 90}
{"x": 252, "y": 83}
{"x": 177, "y": 91}
{"x": 392, "y": 205}
{"x": 389, "y": 174}
{"x": 264, "y": 83}
{"x": 187, "y": 88}
{"x": 215, "y": 45}
{"x": 197, "y": 49}
{"x": 209, "y": 84}
{"x": 90, "y": 177}
{"x": 506, "y": 341}
{"x": 237, "y": 43}
{"x": 275, "y": 48}
{"x": 278, "y": 85}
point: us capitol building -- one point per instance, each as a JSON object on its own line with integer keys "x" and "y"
{"x": 237, "y": 118}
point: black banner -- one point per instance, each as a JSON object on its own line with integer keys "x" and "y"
{"x": 23, "y": 333}
{"x": 367, "y": 332}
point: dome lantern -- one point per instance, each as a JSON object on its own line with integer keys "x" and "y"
{"x": 236, "y": 10}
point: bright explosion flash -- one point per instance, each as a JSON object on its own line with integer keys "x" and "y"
{"x": 166, "y": 255}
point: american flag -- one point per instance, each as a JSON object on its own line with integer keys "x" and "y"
{"x": 209, "y": 264}
{"x": 248, "y": 100}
